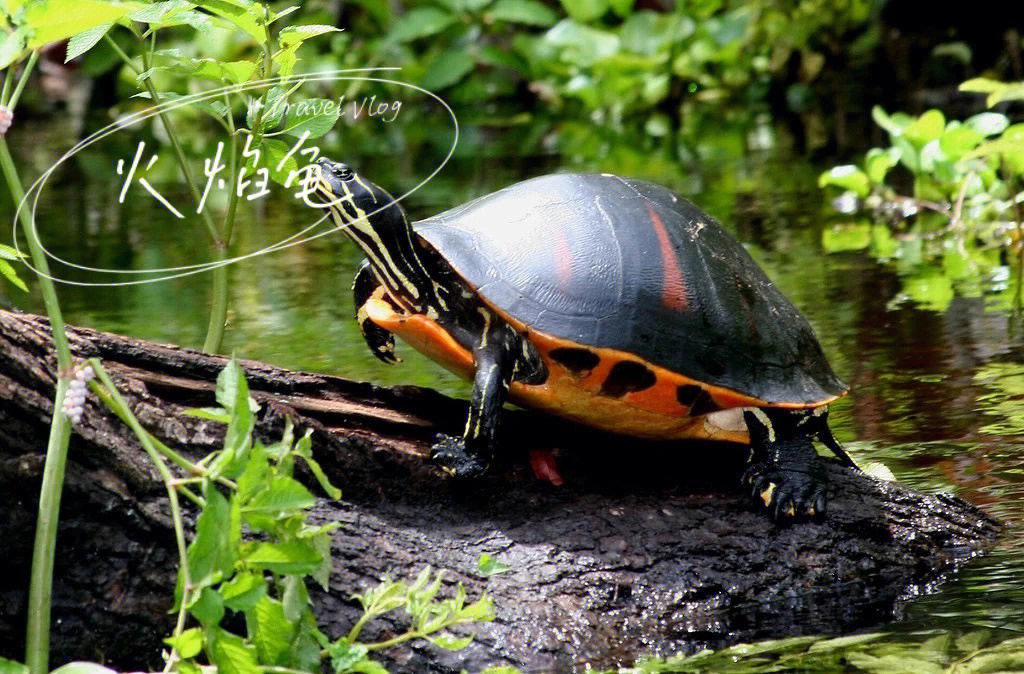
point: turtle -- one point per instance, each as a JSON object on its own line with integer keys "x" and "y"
{"x": 607, "y": 300}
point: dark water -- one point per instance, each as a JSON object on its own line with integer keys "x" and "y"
{"x": 938, "y": 396}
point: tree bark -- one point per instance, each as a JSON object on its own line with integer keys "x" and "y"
{"x": 647, "y": 548}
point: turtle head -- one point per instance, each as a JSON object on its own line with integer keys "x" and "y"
{"x": 378, "y": 224}
{"x": 352, "y": 197}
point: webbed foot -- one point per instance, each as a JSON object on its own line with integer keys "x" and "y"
{"x": 788, "y": 494}
{"x": 453, "y": 457}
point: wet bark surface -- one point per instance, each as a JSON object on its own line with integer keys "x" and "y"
{"x": 647, "y": 548}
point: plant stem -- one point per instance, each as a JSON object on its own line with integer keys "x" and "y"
{"x": 21, "y": 83}
{"x": 37, "y": 637}
{"x": 219, "y": 309}
{"x": 168, "y": 478}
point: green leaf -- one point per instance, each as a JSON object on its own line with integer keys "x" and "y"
{"x": 346, "y": 656}
{"x": 973, "y": 641}
{"x": 420, "y": 22}
{"x": 842, "y": 238}
{"x": 12, "y": 667}
{"x": 450, "y": 643}
{"x": 585, "y": 11}
{"x": 988, "y": 123}
{"x": 649, "y": 33}
{"x": 315, "y": 115}
{"x": 231, "y": 72}
{"x": 960, "y": 139}
{"x": 448, "y": 68}
{"x": 53, "y": 20}
{"x": 160, "y": 11}
{"x": 270, "y": 631}
{"x": 188, "y": 644}
{"x": 488, "y": 566}
{"x": 83, "y": 42}
{"x": 285, "y": 494}
{"x": 847, "y": 177}
{"x": 528, "y": 12}
{"x": 231, "y": 654}
{"x": 7, "y": 271}
{"x": 322, "y": 544}
{"x": 296, "y": 35}
{"x": 581, "y": 45}
{"x": 8, "y": 253}
{"x": 214, "y": 108}
{"x": 998, "y": 92}
{"x": 877, "y": 163}
{"x": 287, "y": 557}
{"x": 12, "y": 46}
{"x": 246, "y": 15}
{"x": 207, "y": 607}
{"x": 926, "y": 128}
{"x": 272, "y": 152}
{"x": 893, "y": 125}
{"x": 211, "y": 555}
{"x": 243, "y": 591}
{"x": 218, "y": 414}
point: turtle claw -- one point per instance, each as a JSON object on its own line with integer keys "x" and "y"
{"x": 451, "y": 455}
{"x": 787, "y": 494}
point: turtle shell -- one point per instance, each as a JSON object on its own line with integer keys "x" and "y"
{"x": 603, "y": 261}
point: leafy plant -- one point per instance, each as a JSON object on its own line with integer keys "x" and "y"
{"x": 255, "y": 549}
{"x": 962, "y": 212}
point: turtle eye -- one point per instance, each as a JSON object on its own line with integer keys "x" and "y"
{"x": 341, "y": 171}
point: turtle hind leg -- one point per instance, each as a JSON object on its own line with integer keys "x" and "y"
{"x": 785, "y": 472}
{"x": 380, "y": 341}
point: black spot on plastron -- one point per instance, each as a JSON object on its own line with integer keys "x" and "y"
{"x": 703, "y": 404}
{"x": 688, "y": 394}
{"x": 627, "y": 377}
{"x": 576, "y": 360}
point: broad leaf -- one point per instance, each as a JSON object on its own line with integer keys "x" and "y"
{"x": 420, "y": 22}
{"x": 246, "y": 15}
{"x": 83, "y": 42}
{"x": 53, "y": 20}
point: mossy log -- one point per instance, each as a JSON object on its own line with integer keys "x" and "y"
{"x": 647, "y": 548}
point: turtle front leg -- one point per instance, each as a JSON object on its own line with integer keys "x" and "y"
{"x": 785, "y": 472}
{"x": 380, "y": 341}
{"x": 470, "y": 455}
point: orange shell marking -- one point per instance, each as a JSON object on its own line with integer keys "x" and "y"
{"x": 654, "y": 412}
{"x": 673, "y": 293}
